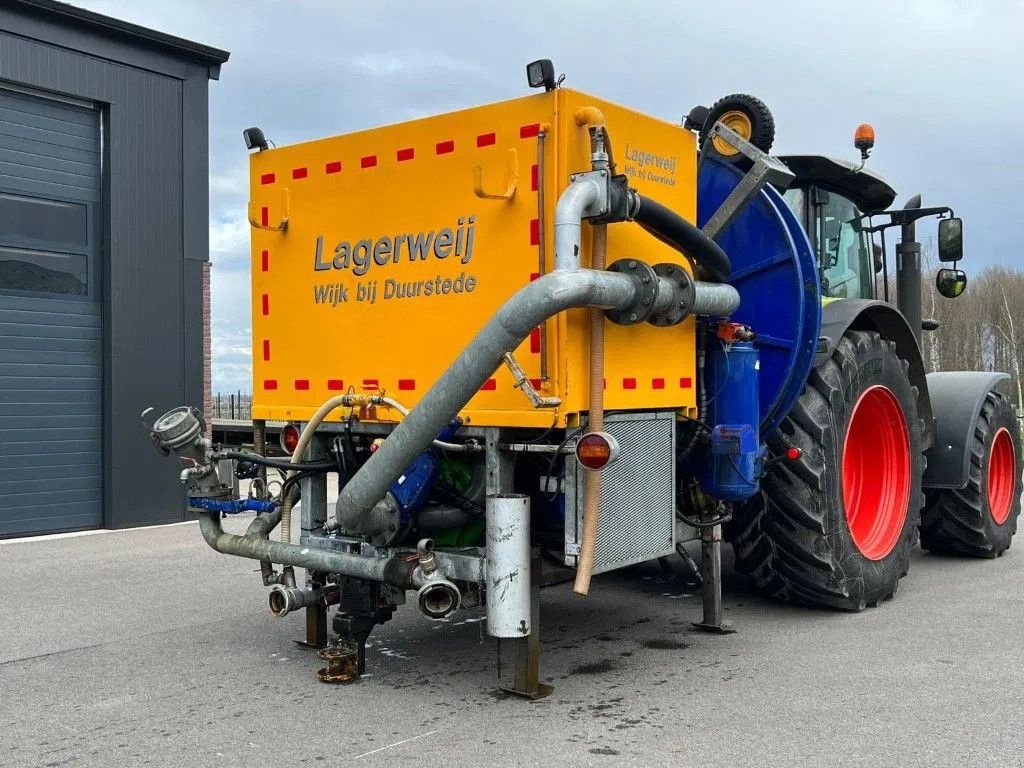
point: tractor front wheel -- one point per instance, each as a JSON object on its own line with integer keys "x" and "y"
{"x": 980, "y": 520}
{"x": 835, "y": 526}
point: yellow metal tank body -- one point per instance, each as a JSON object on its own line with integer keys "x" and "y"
{"x": 378, "y": 255}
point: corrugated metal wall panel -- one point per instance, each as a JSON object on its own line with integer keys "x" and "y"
{"x": 155, "y": 240}
{"x": 51, "y": 344}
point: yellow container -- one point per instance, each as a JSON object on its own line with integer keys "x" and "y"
{"x": 401, "y": 241}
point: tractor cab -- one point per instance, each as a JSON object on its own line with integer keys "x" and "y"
{"x": 831, "y": 197}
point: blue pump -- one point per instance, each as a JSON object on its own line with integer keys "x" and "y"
{"x": 734, "y": 457}
{"x": 412, "y": 490}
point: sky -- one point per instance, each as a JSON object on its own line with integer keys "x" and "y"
{"x": 938, "y": 79}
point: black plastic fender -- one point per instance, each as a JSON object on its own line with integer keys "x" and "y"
{"x": 957, "y": 397}
{"x": 839, "y": 316}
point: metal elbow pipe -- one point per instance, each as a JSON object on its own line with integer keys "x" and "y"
{"x": 569, "y": 211}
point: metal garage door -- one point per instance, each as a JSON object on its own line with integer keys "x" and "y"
{"x": 51, "y": 339}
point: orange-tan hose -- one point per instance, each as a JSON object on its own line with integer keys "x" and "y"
{"x": 592, "y": 480}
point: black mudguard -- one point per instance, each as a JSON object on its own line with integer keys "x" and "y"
{"x": 837, "y": 317}
{"x": 957, "y": 397}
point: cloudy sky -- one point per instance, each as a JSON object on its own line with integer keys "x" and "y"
{"x": 939, "y": 80}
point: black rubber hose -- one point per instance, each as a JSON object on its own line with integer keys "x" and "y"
{"x": 672, "y": 229}
{"x": 255, "y": 458}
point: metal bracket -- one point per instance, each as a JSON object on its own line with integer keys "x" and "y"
{"x": 522, "y": 382}
{"x": 765, "y": 170}
{"x": 511, "y": 179}
{"x": 282, "y": 224}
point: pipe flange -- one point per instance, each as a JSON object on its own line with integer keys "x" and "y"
{"x": 646, "y": 282}
{"x": 683, "y": 295}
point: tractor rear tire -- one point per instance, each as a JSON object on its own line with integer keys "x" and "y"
{"x": 835, "y": 526}
{"x": 980, "y": 520}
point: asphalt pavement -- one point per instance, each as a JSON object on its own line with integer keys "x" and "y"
{"x": 146, "y": 648}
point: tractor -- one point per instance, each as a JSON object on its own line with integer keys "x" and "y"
{"x": 883, "y": 451}
{"x": 553, "y": 337}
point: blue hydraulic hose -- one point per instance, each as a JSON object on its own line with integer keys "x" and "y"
{"x": 232, "y": 507}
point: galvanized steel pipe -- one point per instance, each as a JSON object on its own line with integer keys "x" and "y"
{"x": 529, "y": 307}
{"x": 569, "y": 211}
{"x": 714, "y": 299}
{"x": 395, "y": 571}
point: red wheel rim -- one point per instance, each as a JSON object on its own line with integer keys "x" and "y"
{"x": 876, "y": 472}
{"x": 1002, "y": 476}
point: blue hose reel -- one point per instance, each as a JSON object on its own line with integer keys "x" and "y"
{"x": 751, "y": 386}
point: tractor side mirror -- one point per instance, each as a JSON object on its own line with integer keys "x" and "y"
{"x": 951, "y": 282}
{"x": 951, "y": 239}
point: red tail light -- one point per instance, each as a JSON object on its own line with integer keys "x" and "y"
{"x": 596, "y": 450}
{"x": 289, "y": 438}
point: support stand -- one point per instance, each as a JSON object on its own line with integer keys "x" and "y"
{"x": 711, "y": 575}
{"x": 519, "y": 658}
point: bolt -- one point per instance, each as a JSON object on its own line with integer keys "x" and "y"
{"x": 632, "y": 316}
{"x": 647, "y": 302}
{"x": 645, "y": 279}
{"x": 632, "y": 264}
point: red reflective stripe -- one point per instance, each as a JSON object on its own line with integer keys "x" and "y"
{"x": 405, "y": 154}
{"x": 535, "y": 340}
{"x": 266, "y": 349}
{"x": 265, "y": 216}
{"x": 444, "y": 147}
{"x": 657, "y": 383}
{"x": 534, "y": 231}
{"x": 265, "y": 261}
{"x": 368, "y": 162}
{"x": 270, "y": 383}
{"x": 407, "y": 384}
{"x": 371, "y": 384}
{"x": 300, "y": 173}
{"x": 529, "y": 131}
{"x": 268, "y": 178}
{"x": 302, "y": 383}
{"x": 485, "y": 139}
{"x": 686, "y": 382}
{"x": 265, "y": 299}
{"x": 535, "y": 383}
{"x": 335, "y": 384}
{"x": 533, "y": 177}
{"x": 489, "y": 386}
{"x": 629, "y": 383}
{"x": 334, "y": 167}
{"x": 534, "y": 276}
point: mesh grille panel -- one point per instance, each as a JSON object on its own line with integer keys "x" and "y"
{"x": 637, "y": 492}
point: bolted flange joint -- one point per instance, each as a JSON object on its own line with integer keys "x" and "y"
{"x": 646, "y": 281}
{"x": 683, "y": 295}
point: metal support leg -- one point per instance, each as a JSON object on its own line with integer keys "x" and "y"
{"x": 314, "y": 513}
{"x": 519, "y": 657}
{"x": 711, "y": 574}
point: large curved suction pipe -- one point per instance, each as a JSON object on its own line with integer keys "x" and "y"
{"x": 672, "y": 229}
{"x": 530, "y": 306}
